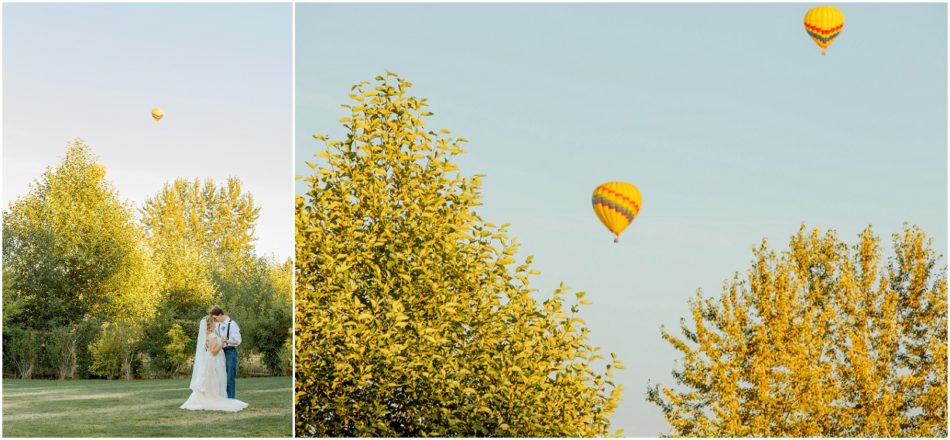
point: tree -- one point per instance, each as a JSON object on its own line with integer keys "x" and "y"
{"x": 73, "y": 247}
{"x": 202, "y": 237}
{"x": 818, "y": 341}
{"x": 217, "y": 222}
{"x": 197, "y": 232}
{"x": 412, "y": 317}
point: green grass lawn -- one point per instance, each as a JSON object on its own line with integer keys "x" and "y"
{"x": 141, "y": 408}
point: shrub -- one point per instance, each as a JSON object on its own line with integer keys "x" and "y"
{"x": 114, "y": 353}
{"x": 179, "y": 350}
{"x": 61, "y": 351}
{"x": 156, "y": 337}
{"x": 87, "y": 332}
{"x": 21, "y": 350}
{"x": 106, "y": 354}
{"x": 286, "y": 367}
{"x": 270, "y": 335}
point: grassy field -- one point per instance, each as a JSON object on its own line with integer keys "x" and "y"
{"x": 141, "y": 408}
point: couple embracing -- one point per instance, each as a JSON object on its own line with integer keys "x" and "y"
{"x": 215, "y": 368}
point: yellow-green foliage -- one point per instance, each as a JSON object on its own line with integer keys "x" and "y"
{"x": 818, "y": 341}
{"x": 201, "y": 235}
{"x": 217, "y": 221}
{"x": 179, "y": 349}
{"x": 74, "y": 249}
{"x": 413, "y": 316}
{"x": 114, "y": 351}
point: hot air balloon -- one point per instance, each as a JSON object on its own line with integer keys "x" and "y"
{"x": 157, "y": 114}
{"x": 823, "y": 24}
{"x": 616, "y": 205}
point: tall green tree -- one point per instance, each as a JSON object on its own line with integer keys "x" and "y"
{"x": 820, "y": 340}
{"x": 74, "y": 248}
{"x": 413, "y": 316}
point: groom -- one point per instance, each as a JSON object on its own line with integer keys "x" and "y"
{"x": 229, "y": 331}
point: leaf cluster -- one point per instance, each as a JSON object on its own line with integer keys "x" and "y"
{"x": 820, "y": 340}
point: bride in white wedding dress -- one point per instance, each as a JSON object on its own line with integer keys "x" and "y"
{"x": 208, "y": 375}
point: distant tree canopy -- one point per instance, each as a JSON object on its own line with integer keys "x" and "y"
{"x": 413, "y": 317}
{"x": 817, "y": 341}
{"x": 217, "y": 222}
{"x": 118, "y": 290}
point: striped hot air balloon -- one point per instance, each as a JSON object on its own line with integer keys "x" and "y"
{"x": 823, "y": 24}
{"x": 616, "y": 205}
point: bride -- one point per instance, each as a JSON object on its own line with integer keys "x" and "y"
{"x": 208, "y": 375}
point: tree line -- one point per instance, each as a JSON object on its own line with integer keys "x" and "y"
{"x": 94, "y": 287}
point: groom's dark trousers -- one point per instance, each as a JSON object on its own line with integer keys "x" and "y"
{"x": 230, "y": 364}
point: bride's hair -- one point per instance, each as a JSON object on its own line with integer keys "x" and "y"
{"x": 209, "y": 324}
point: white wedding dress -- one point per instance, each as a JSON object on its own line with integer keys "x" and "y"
{"x": 209, "y": 377}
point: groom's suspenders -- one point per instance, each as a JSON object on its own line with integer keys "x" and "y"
{"x": 228, "y": 332}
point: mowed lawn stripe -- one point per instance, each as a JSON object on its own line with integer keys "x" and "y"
{"x": 141, "y": 408}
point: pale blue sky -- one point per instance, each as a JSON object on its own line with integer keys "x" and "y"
{"x": 222, "y": 73}
{"x": 727, "y": 117}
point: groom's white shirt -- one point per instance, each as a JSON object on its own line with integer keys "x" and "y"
{"x": 235, "y": 332}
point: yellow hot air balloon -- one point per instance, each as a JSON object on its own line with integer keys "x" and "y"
{"x": 823, "y": 24}
{"x": 157, "y": 114}
{"x": 616, "y": 205}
